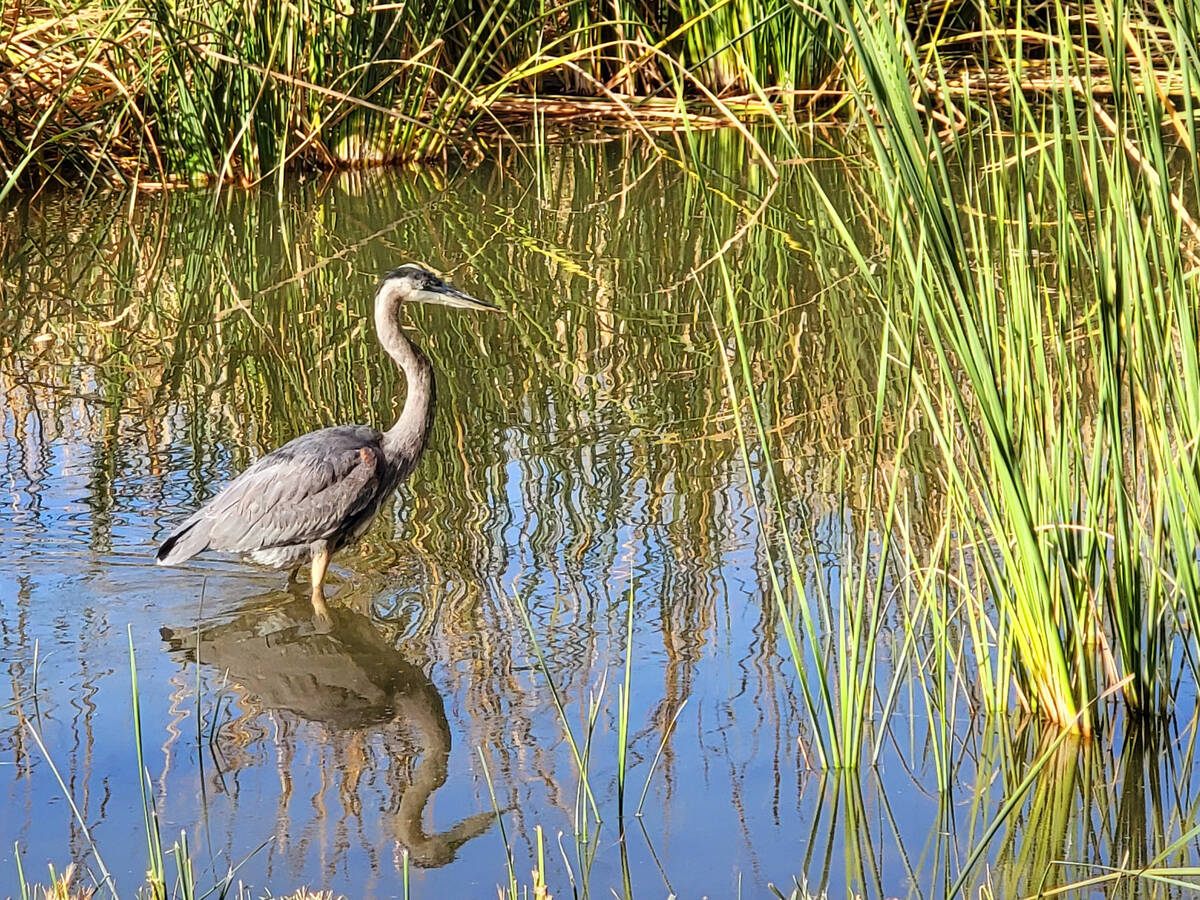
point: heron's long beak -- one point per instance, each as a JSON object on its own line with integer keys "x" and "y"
{"x": 448, "y": 295}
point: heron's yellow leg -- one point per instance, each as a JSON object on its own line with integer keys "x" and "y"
{"x": 320, "y": 562}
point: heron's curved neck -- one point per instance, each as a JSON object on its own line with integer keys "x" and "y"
{"x": 405, "y": 440}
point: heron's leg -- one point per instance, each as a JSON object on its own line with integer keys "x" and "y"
{"x": 320, "y": 562}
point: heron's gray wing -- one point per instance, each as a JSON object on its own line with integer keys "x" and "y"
{"x": 305, "y": 491}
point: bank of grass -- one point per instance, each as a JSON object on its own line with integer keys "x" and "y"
{"x": 167, "y": 90}
{"x": 163, "y": 92}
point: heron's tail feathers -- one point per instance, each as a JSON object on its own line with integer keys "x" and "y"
{"x": 189, "y": 539}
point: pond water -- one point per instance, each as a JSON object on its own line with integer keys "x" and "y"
{"x": 585, "y": 465}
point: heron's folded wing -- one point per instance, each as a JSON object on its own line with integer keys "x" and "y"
{"x": 307, "y": 490}
{"x": 293, "y": 498}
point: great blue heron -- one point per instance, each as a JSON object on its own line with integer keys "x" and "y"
{"x": 320, "y": 491}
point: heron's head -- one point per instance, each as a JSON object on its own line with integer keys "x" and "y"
{"x": 411, "y": 283}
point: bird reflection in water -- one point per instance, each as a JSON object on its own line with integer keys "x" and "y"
{"x": 359, "y": 688}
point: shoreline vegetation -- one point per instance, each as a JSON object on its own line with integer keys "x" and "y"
{"x": 176, "y": 92}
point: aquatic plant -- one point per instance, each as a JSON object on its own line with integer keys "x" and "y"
{"x": 1053, "y": 339}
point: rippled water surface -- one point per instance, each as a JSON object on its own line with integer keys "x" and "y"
{"x": 586, "y": 458}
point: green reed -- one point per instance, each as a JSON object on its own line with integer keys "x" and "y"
{"x": 581, "y": 750}
{"x": 1052, "y": 329}
{"x": 156, "y": 872}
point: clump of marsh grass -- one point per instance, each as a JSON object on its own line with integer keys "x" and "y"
{"x": 69, "y": 87}
{"x": 1050, "y": 294}
{"x": 63, "y": 885}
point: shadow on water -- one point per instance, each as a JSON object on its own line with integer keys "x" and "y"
{"x": 357, "y": 687}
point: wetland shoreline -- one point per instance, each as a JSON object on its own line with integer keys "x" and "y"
{"x": 176, "y": 93}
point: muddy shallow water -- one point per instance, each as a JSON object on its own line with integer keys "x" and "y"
{"x": 585, "y": 458}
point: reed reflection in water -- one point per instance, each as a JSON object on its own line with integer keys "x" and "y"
{"x": 590, "y": 461}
